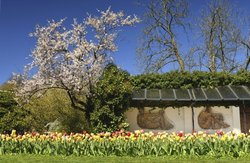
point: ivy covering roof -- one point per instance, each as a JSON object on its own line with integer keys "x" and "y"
{"x": 222, "y": 93}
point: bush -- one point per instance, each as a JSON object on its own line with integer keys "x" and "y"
{"x": 196, "y": 79}
{"x": 12, "y": 116}
{"x": 111, "y": 99}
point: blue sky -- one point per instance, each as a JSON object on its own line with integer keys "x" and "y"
{"x": 19, "y": 17}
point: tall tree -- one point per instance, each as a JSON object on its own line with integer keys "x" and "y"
{"x": 72, "y": 60}
{"x": 245, "y": 41}
{"x": 160, "y": 44}
{"x": 247, "y": 62}
{"x": 221, "y": 35}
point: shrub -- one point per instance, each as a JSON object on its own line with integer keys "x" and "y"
{"x": 111, "y": 100}
{"x": 196, "y": 79}
{"x": 12, "y": 116}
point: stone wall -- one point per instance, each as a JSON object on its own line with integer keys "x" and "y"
{"x": 180, "y": 119}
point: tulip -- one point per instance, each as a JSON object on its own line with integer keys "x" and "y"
{"x": 180, "y": 134}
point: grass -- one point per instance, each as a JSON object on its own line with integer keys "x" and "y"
{"x": 75, "y": 159}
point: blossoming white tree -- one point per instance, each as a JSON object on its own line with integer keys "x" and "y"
{"x": 72, "y": 60}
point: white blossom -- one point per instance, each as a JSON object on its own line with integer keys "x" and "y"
{"x": 72, "y": 59}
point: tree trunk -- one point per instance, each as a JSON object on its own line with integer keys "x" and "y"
{"x": 86, "y": 107}
{"x": 247, "y": 63}
{"x": 177, "y": 54}
{"x": 222, "y": 47}
{"x": 212, "y": 57}
{"x": 89, "y": 109}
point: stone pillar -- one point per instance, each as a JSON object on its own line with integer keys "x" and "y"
{"x": 236, "y": 118}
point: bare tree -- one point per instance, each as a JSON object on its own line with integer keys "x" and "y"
{"x": 160, "y": 46}
{"x": 245, "y": 41}
{"x": 247, "y": 46}
{"x": 221, "y": 36}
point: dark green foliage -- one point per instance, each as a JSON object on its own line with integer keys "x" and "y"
{"x": 196, "y": 79}
{"x": 12, "y": 116}
{"x": 6, "y": 102}
{"x": 111, "y": 99}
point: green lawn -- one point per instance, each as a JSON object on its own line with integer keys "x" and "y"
{"x": 75, "y": 159}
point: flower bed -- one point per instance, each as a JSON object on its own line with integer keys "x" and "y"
{"x": 122, "y": 143}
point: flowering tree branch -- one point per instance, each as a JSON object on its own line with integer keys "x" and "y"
{"x": 68, "y": 59}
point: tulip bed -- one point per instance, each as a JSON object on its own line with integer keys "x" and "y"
{"x": 123, "y": 143}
